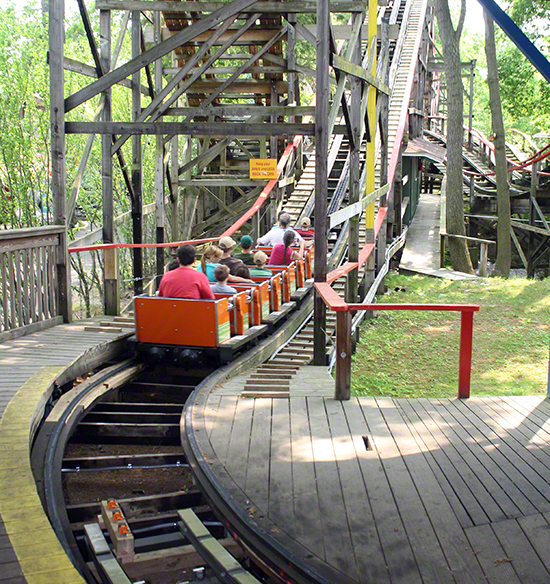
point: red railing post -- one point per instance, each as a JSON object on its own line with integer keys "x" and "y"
{"x": 465, "y": 363}
{"x": 342, "y": 390}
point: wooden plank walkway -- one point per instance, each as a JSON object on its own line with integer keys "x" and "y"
{"x": 29, "y": 550}
{"x": 391, "y": 490}
{"x": 421, "y": 251}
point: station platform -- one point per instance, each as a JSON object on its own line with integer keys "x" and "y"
{"x": 30, "y": 366}
{"x": 384, "y": 490}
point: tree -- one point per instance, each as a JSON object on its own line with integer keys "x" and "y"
{"x": 450, "y": 42}
{"x": 504, "y": 247}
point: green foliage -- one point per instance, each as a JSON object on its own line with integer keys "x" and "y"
{"x": 24, "y": 120}
{"x": 415, "y": 354}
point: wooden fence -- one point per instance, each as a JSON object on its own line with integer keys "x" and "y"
{"x": 28, "y": 276}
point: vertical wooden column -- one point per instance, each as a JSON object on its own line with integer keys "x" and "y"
{"x": 321, "y": 177}
{"x": 188, "y": 206}
{"x": 174, "y": 165}
{"x": 532, "y": 200}
{"x": 137, "y": 160}
{"x": 354, "y": 172}
{"x": 471, "y": 108}
{"x": 385, "y": 232}
{"x": 342, "y": 389}
{"x": 159, "y": 162}
{"x": 59, "y": 178}
{"x": 111, "y": 303}
{"x": 370, "y": 160}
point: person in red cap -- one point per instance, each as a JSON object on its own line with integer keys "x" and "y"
{"x": 185, "y": 282}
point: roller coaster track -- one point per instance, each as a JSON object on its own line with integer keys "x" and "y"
{"x": 291, "y": 350}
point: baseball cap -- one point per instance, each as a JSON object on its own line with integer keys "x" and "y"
{"x": 305, "y": 222}
{"x": 226, "y": 243}
{"x": 260, "y": 258}
{"x": 246, "y": 241}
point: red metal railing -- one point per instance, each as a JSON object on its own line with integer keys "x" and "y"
{"x": 343, "y": 335}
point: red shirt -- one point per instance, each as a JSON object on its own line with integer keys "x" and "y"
{"x": 184, "y": 282}
{"x": 306, "y": 233}
{"x": 277, "y": 257}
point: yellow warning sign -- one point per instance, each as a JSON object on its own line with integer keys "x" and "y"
{"x": 265, "y": 168}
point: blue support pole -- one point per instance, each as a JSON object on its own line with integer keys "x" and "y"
{"x": 516, "y": 35}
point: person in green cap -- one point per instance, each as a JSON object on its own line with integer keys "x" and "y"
{"x": 246, "y": 255}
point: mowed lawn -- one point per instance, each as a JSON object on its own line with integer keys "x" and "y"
{"x": 415, "y": 354}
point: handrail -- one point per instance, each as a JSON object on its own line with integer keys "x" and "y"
{"x": 28, "y": 279}
{"x": 343, "y": 335}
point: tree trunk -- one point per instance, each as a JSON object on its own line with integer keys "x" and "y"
{"x": 504, "y": 246}
{"x": 450, "y": 41}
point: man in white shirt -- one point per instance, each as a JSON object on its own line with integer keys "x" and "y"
{"x": 276, "y": 234}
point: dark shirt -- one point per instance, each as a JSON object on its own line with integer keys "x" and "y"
{"x": 232, "y": 263}
{"x": 247, "y": 258}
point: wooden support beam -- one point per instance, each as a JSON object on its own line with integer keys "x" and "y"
{"x": 357, "y": 71}
{"x": 157, "y": 52}
{"x": 259, "y": 111}
{"x": 294, "y": 7}
{"x": 342, "y": 390}
{"x": 59, "y": 176}
{"x": 194, "y": 128}
{"x": 321, "y": 177}
{"x": 157, "y": 106}
{"x": 137, "y": 162}
{"x": 111, "y": 304}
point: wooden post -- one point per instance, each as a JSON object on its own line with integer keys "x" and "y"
{"x": 482, "y": 265}
{"x": 342, "y": 389}
{"x": 59, "y": 178}
{"x": 465, "y": 361}
{"x": 370, "y": 161}
{"x": 174, "y": 165}
{"x": 386, "y": 230}
{"x": 471, "y": 108}
{"x": 111, "y": 303}
{"x": 137, "y": 163}
{"x": 532, "y": 199}
{"x": 159, "y": 163}
{"x": 354, "y": 173}
{"x": 321, "y": 176}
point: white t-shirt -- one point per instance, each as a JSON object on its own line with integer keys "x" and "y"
{"x": 276, "y": 235}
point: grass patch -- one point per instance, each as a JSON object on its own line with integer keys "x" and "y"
{"x": 415, "y": 354}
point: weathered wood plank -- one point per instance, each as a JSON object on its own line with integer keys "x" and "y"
{"x": 431, "y": 560}
{"x": 537, "y": 530}
{"x": 491, "y": 556}
{"x": 221, "y": 432}
{"x": 450, "y": 535}
{"x": 475, "y": 503}
{"x": 192, "y": 129}
{"x": 257, "y": 478}
{"x": 398, "y": 553}
{"x": 329, "y": 492}
{"x": 281, "y": 504}
{"x": 371, "y": 563}
{"x": 470, "y": 447}
{"x": 526, "y": 562}
{"x": 308, "y": 527}
{"x": 239, "y": 442}
{"x": 511, "y": 458}
{"x": 200, "y": 7}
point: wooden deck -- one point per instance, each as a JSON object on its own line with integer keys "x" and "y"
{"x": 29, "y": 550}
{"x": 390, "y": 490}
